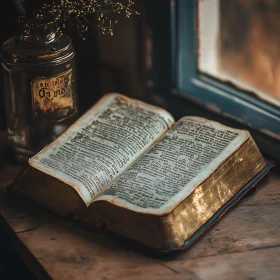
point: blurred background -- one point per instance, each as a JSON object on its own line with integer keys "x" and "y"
{"x": 122, "y": 62}
{"x": 238, "y": 42}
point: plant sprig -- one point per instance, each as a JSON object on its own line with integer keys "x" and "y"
{"x": 87, "y": 15}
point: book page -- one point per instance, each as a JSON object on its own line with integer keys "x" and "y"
{"x": 171, "y": 170}
{"x": 102, "y": 144}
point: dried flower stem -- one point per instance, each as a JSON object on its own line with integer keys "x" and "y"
{"x": 87, "y": 15}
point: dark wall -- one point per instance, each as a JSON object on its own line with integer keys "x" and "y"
{"x": 8, "y": 28}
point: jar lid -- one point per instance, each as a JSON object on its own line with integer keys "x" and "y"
{"x": 45, "y": 49}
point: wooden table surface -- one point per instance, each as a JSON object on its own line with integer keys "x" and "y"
{"x": 244, "y": 244}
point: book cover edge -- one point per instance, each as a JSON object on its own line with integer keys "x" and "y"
{"x": 222, "y": 211}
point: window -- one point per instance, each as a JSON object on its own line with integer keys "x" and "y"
{"x": 225, "y": 57}
{"x": 239, "y": 42}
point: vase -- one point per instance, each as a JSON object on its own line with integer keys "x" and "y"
{"x": 39, "y": 90}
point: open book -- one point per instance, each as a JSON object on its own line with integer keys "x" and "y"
{"x": 128, "y": 166}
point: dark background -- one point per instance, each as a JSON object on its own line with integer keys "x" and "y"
{"x": 132, "y": 61}
{"x": 104, "y": 63}
{"x": 8, "y": 27}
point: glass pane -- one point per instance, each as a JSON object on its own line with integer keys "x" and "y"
{"x": 239, "y": 42}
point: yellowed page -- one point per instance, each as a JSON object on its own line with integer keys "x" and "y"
{"x": 102, "y": 144}
{"x": 185, "y": 157}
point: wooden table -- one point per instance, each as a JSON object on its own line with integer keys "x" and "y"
{"x": 245, "y": 244}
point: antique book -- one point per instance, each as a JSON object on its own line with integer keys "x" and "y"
{"x": 126, "y": 165}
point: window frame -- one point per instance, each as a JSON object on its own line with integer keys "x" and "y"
{"x": 217, "y": 96}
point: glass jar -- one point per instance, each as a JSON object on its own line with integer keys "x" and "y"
{"x": 39, "y": 90}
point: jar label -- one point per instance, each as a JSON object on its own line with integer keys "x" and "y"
{"x": 53, "y": 96}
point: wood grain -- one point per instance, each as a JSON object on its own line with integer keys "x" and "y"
{"x": 245, "y": 244}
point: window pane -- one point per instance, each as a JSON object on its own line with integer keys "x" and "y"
{"x": 239, "y": 42}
